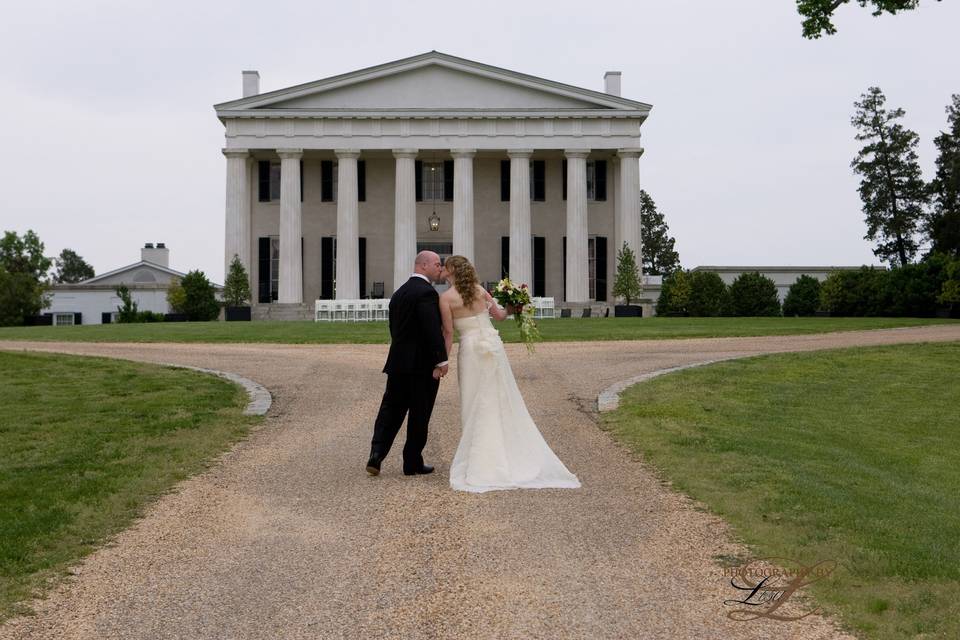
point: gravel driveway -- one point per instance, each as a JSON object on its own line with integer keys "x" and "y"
{"x": 287, "y": 537}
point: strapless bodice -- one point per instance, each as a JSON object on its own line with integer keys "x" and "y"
{"x": 470, "y": 324}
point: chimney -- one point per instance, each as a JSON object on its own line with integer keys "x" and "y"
{"x": 611, "y": 83}
{"x": 251, "y": 83}
{"x": 158, "y": 255}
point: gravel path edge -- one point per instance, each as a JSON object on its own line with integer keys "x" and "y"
{"x": 609, "y": 398}
{"x": 260, "y": 398}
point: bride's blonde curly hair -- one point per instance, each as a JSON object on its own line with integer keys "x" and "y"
{"x": 464, "y": 278}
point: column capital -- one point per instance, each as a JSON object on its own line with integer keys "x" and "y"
{"x": 519, "y": 153}
{"x": 576, "y": 153}
{"x": 634, "y": 152}
{"x": 290, "y": 154}
{"x": 463, "y": 153}
{"x": 406, "y": 153}
{"x": 236, "y": 153}
{"x": 347, "y": 154}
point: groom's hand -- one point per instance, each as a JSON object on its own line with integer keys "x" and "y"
{"x": 439, "y": 372}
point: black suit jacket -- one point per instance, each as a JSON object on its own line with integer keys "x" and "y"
{"x": 416, "y": 335}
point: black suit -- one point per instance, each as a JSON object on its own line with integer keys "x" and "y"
{"x": 416, "y": 348}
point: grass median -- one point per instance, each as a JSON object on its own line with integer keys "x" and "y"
{"x": 850, "y": 455}
{"x": 85, "y": 444}
{"x": 553, "y": 330}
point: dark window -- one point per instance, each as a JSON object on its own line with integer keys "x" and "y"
{"x": 505, "y": 181}
{"x": 448, "y": 180}
{"x": 326, "y": 268}
{"x": 504, "y": 256}
{"x": 263, "y": 270}
{"x": 601, "y": 269}
{"x": 418, "y": 179}
{"x": 362, "y": 180}
{"x": 564, "y": 172}
{"x": 600, "y": 190}
{"x": 263, "y": 167}
{"x": 362, "y": 255}
{"x": 326, "y": 181}
{"x": 538, "y": 184}
{"x": 539, "y": 266}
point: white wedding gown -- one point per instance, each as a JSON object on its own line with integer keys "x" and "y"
{"x": 500, "y": 447}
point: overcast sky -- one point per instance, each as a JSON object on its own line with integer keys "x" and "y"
{"x": 110, "y": 139}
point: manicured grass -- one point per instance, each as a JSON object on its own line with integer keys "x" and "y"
{"x": 85, "y": 443}
{"x": 850, "y": 455}
{"x": 565, "y": 330}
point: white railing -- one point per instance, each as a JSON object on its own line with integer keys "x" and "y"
{"x": 375, "y": 309}
{"x": 364, "y": 310}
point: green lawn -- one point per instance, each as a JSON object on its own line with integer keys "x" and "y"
{"x": 565, "y": 330}
{"x": 85, "y": 443}
{"x": 850, "y": 455}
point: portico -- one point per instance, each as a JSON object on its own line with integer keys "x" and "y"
{"x": 332, "y": 186}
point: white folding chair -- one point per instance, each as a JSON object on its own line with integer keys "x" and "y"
{"x": 339, "y": 313}
{"x": 548, "y": 308}
{"x": 350, "y": 310}
{"x": 537, "y": 307}
{"x": 381, "y": 309}
{"x": 324, "y": 310}
{"x": 362, "y": 313}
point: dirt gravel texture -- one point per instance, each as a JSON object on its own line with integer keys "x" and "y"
{"x": 288, "y": 537}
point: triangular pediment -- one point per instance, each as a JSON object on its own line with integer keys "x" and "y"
{"x": 435, "y": 88}
{"x": 433, "y": 82}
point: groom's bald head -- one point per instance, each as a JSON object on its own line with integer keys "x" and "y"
{"x": 428, "y": 263}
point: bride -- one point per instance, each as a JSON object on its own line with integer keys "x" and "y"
{"x": 500, "y": 446}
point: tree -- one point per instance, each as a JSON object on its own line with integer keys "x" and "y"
{"x": 200, "y": 301}
{"x": 128, "y": 311}
{"x": 236, "y": 290}
{"x": 754, "y": 294}
{"x": 627, "y": 285}
{"x": 659, "y": 256}
{"x": 176, "y": 296}
{"x": 23, "y": 277}
{"x": 892, "y": 188}
{"x": 71, "y": 267}
{"x": 708, "y": 294}
{"x": 817, "y": 14}
{"x": 803, "y": 298}
{"x": 674, "y": 294}
{"x": 950, "y": 291}
{"x": 943, "y": 225}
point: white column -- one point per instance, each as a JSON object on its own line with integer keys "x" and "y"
{"x": 629, "y": 210}
{"x": 291, "y": 258}
{"x": 578, "y": 289}
{"x": 348, "y": 227}
{"x": 404, "y": 216}
{"x": 521, "y": 260}
{"x": 463, "y": 202}
{"x": 237, "y": 209}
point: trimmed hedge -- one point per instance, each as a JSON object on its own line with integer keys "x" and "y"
{"x": 753, "y": 294}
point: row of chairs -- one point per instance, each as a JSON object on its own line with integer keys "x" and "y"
{"x": 365, "y": 310}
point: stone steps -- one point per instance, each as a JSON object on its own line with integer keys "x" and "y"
{"x": 286, "y": 311}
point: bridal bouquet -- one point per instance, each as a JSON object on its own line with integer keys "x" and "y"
{"x": 517, "y": 300}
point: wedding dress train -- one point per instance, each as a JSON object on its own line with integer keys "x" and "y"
{"x": 500, "y": 447}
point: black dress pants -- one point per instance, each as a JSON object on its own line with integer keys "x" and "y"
{"x": 410, "y": 395}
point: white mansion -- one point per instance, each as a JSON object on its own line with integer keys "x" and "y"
{"x": 333, "y": 186}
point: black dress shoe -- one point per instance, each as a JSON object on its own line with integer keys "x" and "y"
{"x": 373, "y": 465}
{"x": 424, "y": 469}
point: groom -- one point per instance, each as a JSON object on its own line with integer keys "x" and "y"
{"x": 415, "y": 364}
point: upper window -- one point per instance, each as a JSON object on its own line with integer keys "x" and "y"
{"x": 432, "y": 181}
